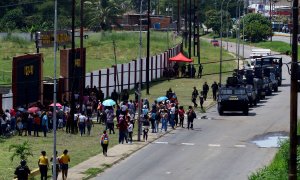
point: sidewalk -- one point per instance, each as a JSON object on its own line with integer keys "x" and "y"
{"x": 115, "y": 155}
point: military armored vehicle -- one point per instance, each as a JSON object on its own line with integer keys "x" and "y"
{"x": 233, "y": 97}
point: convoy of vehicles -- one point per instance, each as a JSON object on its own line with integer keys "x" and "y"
{"x": 248, "y": 86}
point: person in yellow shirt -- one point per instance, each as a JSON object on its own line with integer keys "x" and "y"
{"x": 43, "y": 165}
{"x": 64, "y": 162}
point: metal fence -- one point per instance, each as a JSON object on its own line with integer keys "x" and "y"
{"x": 126, "y": 76}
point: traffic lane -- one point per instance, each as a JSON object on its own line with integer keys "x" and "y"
{"x": 211, "y": 151}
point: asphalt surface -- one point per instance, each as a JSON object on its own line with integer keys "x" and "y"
{"x": 219, "y": 147}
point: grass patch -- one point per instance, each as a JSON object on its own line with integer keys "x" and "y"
{"x": 92, "y": 172}
{"x": 99, "y": 46}
{"x": 278, "y": 169}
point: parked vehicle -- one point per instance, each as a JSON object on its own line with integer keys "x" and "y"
{"x": 214, "y": 42}
{"x": 233, "y": 97}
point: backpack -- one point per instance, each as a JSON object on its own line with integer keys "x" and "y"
{"x": 104, "y": 139}
{"x": 192, "y": 115}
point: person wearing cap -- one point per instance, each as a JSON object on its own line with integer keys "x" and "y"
{"x": 22, "y": 171}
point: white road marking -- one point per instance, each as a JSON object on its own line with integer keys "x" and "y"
{"x": 214, "y": 145}
{"x": 168, "y": 172}
{"x": 240, "y": 145}
{"x": 158, "y": 142}
{"x": 188, "y": 144}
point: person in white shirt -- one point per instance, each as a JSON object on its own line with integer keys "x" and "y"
{"x": 130, "y": 131}
{"x": 81, "y": 123}
{"x": 172, "y": 116}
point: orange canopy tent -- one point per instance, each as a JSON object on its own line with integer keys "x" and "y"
{"x": 180, "y": 58}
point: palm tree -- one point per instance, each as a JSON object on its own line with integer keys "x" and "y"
{"x": 105, "y": 13}
{"x": 21, "y": 150}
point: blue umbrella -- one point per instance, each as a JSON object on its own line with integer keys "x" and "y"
{"x": 109, "y": 102}
{"x": 162, "y": 98}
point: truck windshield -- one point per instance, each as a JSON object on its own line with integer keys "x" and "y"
{"x": 239, "y": 91}
{"x": 226, "y": 91}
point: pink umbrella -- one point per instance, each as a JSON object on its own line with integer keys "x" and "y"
{"x": 57, "y": 105}
{"x": 33, "y": 109}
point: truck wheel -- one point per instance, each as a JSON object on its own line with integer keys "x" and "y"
{"x": 246, "y": 112}
{"x": 220, "y": 110}
{"x": 255, "y": 102}
{"x": 276, "y": 89}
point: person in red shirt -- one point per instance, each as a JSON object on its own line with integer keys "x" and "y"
{"x": 181, "y": 115}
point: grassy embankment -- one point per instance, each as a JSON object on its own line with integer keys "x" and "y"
{"x": 99, "y": 46}
{"x": 81, "y": 148}
{"x": 278, "y": 169}
{"x": 277, "y": 46}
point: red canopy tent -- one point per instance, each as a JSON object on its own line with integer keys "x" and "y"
{"x": 180, "y": 58}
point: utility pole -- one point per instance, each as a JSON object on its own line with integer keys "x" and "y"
{"x": 140, "y": 78}
{"x": 270, "y": 13}
{"x": 148, "y": 49}
{"x": 178, "y": 16}
{"x": 185, "y": 23}
{"x": 54, "y": 91}
{"x": 190, "y": 29}
{"x": 294, "y": 96}
{"x": 72, "y": 112}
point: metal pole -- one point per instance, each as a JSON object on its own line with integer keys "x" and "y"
{"x": 140, "y": 77}
{"x": 270, "y": 13}
{"x": 178, "y": 16}
{"x": 148, "y": 49}
{"x": 185, "y": 23}
{"x": 115, "y": 57}
{"x": 294, "y": 97}
{"x": 227, "y": 24}
{"x": 82, "y": 77}
{"x": 190, "y": 29}
{"x": 236, "y": 30}
{"x": 239, "y": 36}
{"x": 221, "y": 45}
{"x": 54, "y": 92}
{"x": 72, "y": 111}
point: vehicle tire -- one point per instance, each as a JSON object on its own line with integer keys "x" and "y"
{"x": 220, "y": 110}
{"x": 255, "y": 102}
{"x": 276, "y": 89}
{"x": 246, "y": 112}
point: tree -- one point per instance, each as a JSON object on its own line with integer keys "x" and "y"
{"x": 105, "y": 14}
{"x": 256, "y": 27}
{"x": 21, "y": 150}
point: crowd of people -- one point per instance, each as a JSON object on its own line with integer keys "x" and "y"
{"x": 155, "y": 117}
{"x": 182, "y": 71}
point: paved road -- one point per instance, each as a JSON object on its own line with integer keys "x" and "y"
{"x": 285, "y": 38}
{"x": 220, "y": 147}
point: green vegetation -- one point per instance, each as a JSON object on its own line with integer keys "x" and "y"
{"x": 278, "y": 169}
{"x": 256, "y": 27}
{"x": 21, "y": 150}
{"x": 99, "y": 47}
